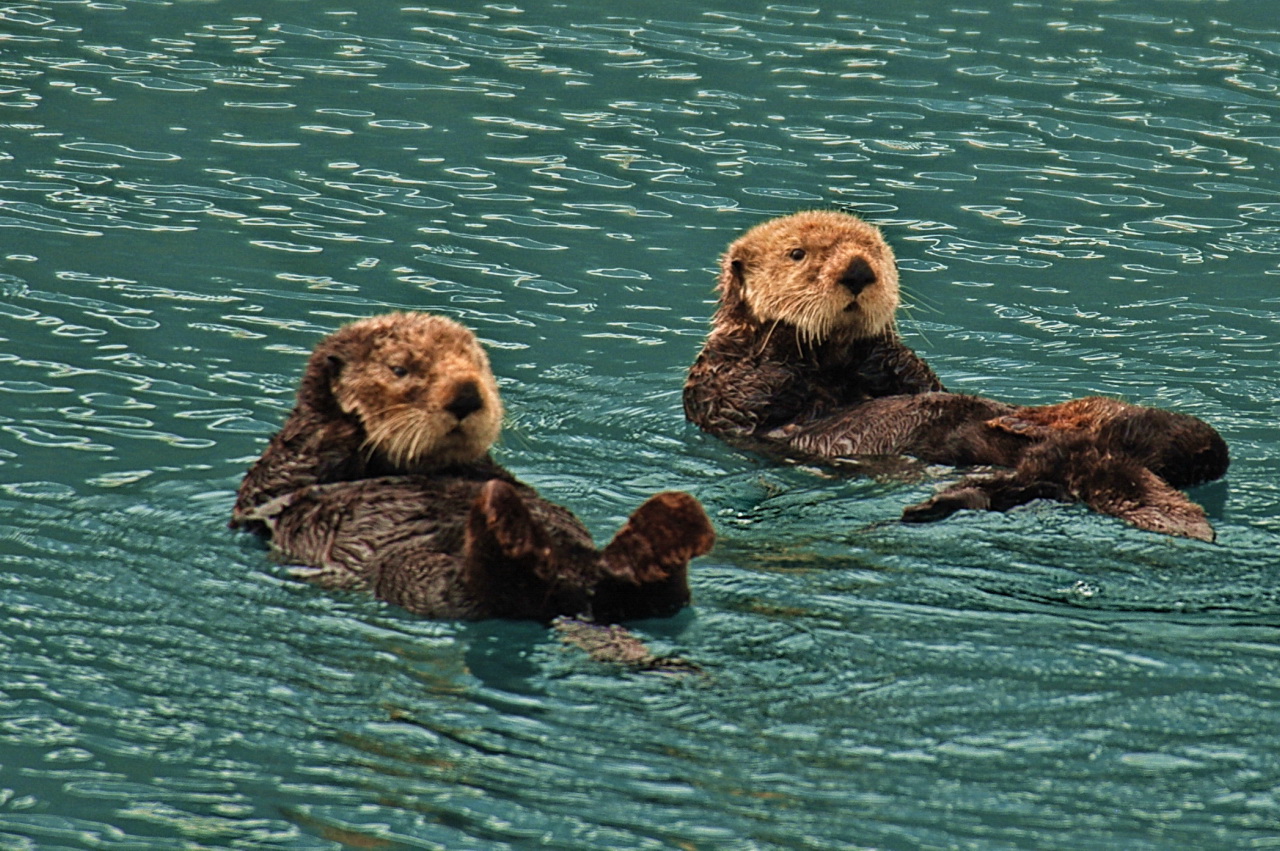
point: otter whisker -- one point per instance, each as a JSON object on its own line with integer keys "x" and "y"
{"x": 767, "y": 336}
{"x": 813, "y": 322}
{"x": 412, "y": 437}
{"x": 917, "y": 302}
{"x": 403, "y": 435}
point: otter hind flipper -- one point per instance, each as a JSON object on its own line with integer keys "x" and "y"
{"x": 1141, "y": 498}
{"x": 1075, "y": 470}
{"x": 659, "y": 539}
{"x": 500, "y": 527}
{"x": 1115, "y": 483}
{"x": 644, "y": 571}
{"x": 512, "y": 563}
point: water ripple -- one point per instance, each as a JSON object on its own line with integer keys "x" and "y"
{"x": 1082, "y": 202}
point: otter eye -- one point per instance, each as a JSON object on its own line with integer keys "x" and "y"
{"x": 399, "y": 371}
{"x": 796, "y": 254}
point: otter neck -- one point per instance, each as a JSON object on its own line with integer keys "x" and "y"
{"x": 378, "y": 464}
{"x": 779, "y": 341}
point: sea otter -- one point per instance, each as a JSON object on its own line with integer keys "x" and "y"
{"x": 381, "y": 479}
{"x": 804, "y": 360}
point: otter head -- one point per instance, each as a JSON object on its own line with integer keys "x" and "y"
{"x": 823, "y": 272}
{"x": 419, "y": 385}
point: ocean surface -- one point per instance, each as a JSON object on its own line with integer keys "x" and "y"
{"x": 1084, "y": 197}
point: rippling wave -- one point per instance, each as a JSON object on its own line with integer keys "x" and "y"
{"x": 1083, "y": 198}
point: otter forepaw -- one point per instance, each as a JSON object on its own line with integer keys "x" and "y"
{"x": 999, "y": 492}
{"x": 946, "y": 503}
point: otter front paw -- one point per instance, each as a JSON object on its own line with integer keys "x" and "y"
{"x": 782, "y": 432}
{"x": 945, "y": 504}
{"x": 999, "y": 492}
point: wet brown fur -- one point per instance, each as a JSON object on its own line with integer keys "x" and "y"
{"x": 831, "y": 379}
{"x": 397, "y": 393}
{"x": 381, "y": 480}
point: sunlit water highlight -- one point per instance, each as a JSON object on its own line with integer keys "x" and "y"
{"x": 1084, "y": 198}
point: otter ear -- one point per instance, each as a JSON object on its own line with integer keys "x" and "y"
{"x": 333, "y": 366}
{"x": 733, "y": 277}
{"x": 323, "y": 368}
{"x": 732, "y": 270}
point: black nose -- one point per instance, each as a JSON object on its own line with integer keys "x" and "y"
{"x": 466, "y": 400}
{"x": 857, "y": 276}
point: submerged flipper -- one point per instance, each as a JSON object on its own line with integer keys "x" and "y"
{"x": 616, "y": 645}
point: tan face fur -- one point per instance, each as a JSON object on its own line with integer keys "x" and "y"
{"x": 822, "y": 271}
{"x": 420, "y": 385}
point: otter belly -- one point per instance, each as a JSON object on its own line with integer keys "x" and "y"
{"x": 942, "y": 428}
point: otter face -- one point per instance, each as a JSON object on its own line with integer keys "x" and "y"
{"x": 419, "y": 384}
{"x": 822, "y": 271}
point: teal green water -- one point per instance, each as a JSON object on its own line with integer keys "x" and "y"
{"x": 1084, "y": 197}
